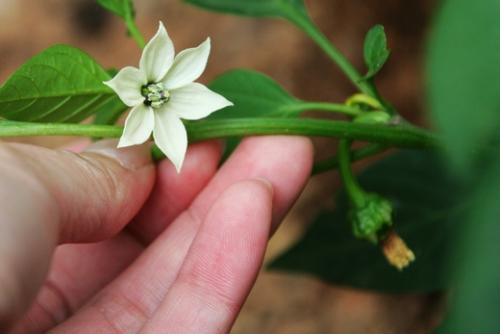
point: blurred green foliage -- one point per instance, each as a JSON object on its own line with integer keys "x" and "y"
{"x": 464, "y": 85}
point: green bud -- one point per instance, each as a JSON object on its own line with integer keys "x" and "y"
{"x": 364, "y": 101}
{"x": 372, "y": 218}
{"x": 373, "y": 117}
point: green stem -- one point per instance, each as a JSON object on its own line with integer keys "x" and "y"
{"x": 302, "y": 21}
{"x": 29, "y": 129}
{"x": 403, "y": 136}
{"x": 133, "y": 30}
{"x": 353, "y": 189}
{"x": 398, "y": 136}
{"x": 359, "y": 154}
{"x": 323, "y": 106}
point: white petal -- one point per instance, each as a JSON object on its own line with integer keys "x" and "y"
{"x": 195, "y": 101}
{"x": 138, "y": 126}
{"x": 127, "y": 84}
{"x": 188, "y": 66}
{"x": 170, "y": 136}
{"x": 158, "y": 56}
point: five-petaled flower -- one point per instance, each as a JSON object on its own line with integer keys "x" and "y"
{"x": 161, "y": 92}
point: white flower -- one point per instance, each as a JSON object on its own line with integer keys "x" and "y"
{"x": 161, "y": 92}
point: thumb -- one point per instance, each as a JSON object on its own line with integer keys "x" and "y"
{"x": 49, "y": 197}
{"x": 100, "y": 190}
{"x": 92, "y": 194}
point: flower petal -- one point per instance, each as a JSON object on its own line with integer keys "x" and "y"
{"x": 195, "y": 101}
{"x": 170, "y": 136}
{"x": 127, "y": 84}
{"x": 188, "y": 66}
{"x": 138, "y": 126}
{"x": 158, "y": 56}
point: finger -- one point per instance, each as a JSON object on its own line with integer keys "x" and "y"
{"x": 55, "y": 196}
{"x": 65, "y": 291}
{"x": 93, "y": 194}
{"x": 283, "y": 160}
{"x": 221, "y": 265}
{"x": 128, "y": 301}
{"x": 77, "y": 272}
{"x": 173, "y": 192}
{"x": 77, "y": 146}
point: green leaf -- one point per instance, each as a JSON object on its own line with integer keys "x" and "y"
{"x": 110, "y": 112}
{"x": 463, "y": 70}
{"x": 122, "y": 8}
{"x": 61, "y": 84}
{"x": 476, "y": 294}
{"x": 376, "y": 52}
{"x": 254, "y": 95}
{"x": 258, "y": 8}
{"x": 425, "y": 215}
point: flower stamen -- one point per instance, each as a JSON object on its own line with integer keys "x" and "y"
{"x": 155, "y": 95}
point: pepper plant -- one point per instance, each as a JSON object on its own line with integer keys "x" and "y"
{"x": 423, "y": 219}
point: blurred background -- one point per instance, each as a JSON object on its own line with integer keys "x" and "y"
{"x": 280, "y": 303}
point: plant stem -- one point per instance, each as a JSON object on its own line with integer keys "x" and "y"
{"x": 23, "y": 129}
{"x": 323, "y": 106}
{"x": 359, "y": 154}
{"x": 302, "y": 21}
{"x": 398, "y": 136}
{"x": 353, "y": 189}
{"x": 133, "y": 30}
{"x": 404, "y": 136}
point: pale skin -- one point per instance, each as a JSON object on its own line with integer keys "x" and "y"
{"x": 165, "y": 252}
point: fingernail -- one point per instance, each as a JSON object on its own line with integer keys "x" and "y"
{"x": 266, "y": 183}
{"x": 132, "y": 157}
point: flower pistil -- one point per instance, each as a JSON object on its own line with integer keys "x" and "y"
{"x": 155, "y": 95}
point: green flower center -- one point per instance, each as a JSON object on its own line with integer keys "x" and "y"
{"x": 155, "y": 95}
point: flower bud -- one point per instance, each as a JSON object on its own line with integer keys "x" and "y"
{"x": 373, "y": 117}
{"x": 364, "y": 101}
{"x": 372, "y": 221}
{"x": 372, "y": 218}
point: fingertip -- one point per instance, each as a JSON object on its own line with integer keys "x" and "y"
{"x": 266, "y": 184}
{"x": 250, "y": 198}
{"x": 254, "y": 189}
{"x": 284, "y": 160}
{"x": 297, "y": 143}
{"x": 282, "y": 148}
{"x": 100, "y": 190}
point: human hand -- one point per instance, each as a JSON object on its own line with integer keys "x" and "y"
{"x": 184, "y": 264}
